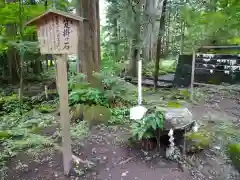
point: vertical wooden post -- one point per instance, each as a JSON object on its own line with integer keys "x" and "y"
{"x": 139, "y": 80}
{"x": 192, "y": 75}
{"x": 46, "y": 91}
{"x": 64, "y": 111}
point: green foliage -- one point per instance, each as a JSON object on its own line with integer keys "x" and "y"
{"x": 47, "y": 108}
{"x": 9, "y": 104}
{"x": 115, "y": 91}
{"x": 119, "y": 116}
{"x": 41, "y": 97}
{"x": 82, "y": 93}
{"x": 218, "y": 21}
{"x": 17, "y": 134}
{"x": 148, "y": 126}
{"x": 79, "y": 130}
{"x": 90, "y": 96}
{"x": 166, "y": 66}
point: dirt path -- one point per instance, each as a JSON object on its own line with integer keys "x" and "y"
{"x": 114, "y": 159}
{"x": 118, "y": 161}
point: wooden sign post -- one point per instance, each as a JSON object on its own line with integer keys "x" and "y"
{"x": 58, "y": 35}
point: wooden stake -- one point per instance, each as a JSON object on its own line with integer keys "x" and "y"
{"x": 19, "y": 93}
{"x": 46, "y": 91}
{"x": 192, "y": 75}
{"x": 64, "y": 112}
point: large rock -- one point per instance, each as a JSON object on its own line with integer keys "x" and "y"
{"x": 97, "y": 114}
{"x": 177, "y": 118}
{"x": 197, "y": 141}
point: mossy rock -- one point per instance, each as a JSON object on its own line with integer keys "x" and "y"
{"x": 234, "y": 154}
{"x": 197, "y": 141}
{"x": 77, "y": 112}
{"x": 97, "y": 114}
{"x": 47, "y": 108}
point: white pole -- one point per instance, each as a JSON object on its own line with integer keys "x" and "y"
{"x": 78, "y": 65}
{"x": 192, "y": 75}
{"x": 139, "y": 82}
{"x": 46, "y": 91}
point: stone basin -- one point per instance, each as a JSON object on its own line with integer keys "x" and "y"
{"x": 178, "y": 119}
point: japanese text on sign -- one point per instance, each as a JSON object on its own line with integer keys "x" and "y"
{"x": 66, "y": 33}
{"x": 57, "y": 32}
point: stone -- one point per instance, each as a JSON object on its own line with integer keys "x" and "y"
{"x": 197, "y": 141}
{"x": 177, "y": 118}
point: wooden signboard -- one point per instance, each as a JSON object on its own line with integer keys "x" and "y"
{"x": 58, "y": 35}
{"x": 57, "y": 32}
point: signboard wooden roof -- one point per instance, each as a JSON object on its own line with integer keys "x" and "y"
{"x": 57, "y": 32}
{"x": 34, "y": 21}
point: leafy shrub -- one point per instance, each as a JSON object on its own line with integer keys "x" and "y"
{"x": 88, "y": 96}
{"x": 148, "y": 126}
{"x": 119, "y": 116}
{"x": 115, "y": 91}
{"x": 9, "y": 104}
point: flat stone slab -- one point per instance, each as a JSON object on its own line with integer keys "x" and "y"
{"x": 177, "y": 118}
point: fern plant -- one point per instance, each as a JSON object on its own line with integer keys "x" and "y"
{"x": 147, "y": 128}
{"x": 82, "y": 93}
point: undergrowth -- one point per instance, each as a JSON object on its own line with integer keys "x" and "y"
{"x": 19, "y": 133}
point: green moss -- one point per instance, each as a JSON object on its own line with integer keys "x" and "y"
{"x": 47, "y": 108}
{"x": 174, "y": 104}
{"x": 5, "y": 134}
{"x": 234, "y": 154}
{"x": 97, "y": 114}
{"x": 198, "y": 140}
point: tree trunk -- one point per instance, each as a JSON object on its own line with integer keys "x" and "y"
{"x": 182, "y": 37}
{"x": 90, "y": 49}
{"x": 98, "y": 34}
{"x": 159, "y": 43}
{"x": 13, "y": 59}
{"x": 115, "y": 43}
{"x": 168, "y": 29}
{"x": 21, "y": 56}
{"x": 135, "y": 48}
{"x": 80, "y": 55}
